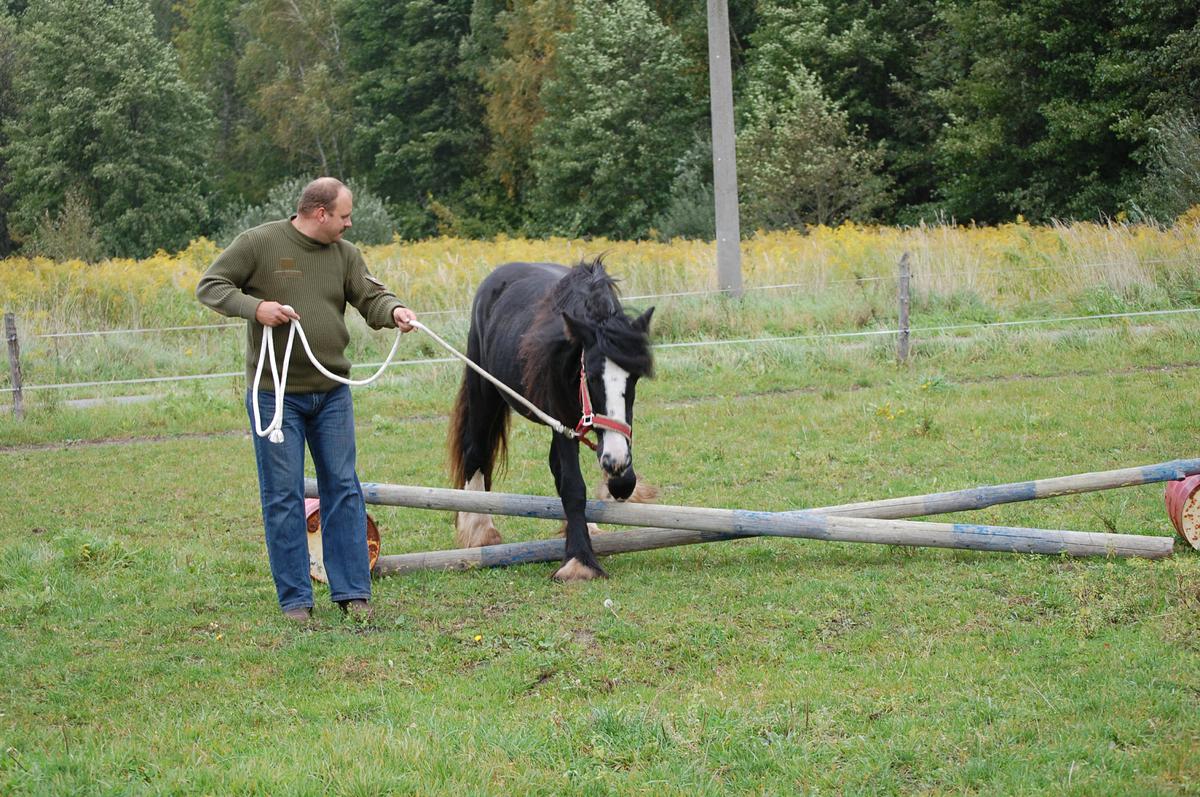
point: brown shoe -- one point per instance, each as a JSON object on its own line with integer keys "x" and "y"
{"x": 357, "y": 608}
{"x": 301, "y": 614}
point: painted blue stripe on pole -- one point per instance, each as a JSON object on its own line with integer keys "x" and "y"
{"x": 536, "y": 551}
{"x": 1170, "y": 471}
{"x": 1005, "y": 493}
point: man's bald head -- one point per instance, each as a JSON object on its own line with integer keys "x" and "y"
{"x": 324, "y": 210}
{"x": 322, "y": 192}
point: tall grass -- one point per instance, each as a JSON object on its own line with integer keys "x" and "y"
{"x": 999, "y": 264}
{"x": 823, "y": 279}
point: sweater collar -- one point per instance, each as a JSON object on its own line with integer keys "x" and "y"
{"x": 300, "y": 238}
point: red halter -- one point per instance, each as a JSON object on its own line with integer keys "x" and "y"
{"x": 590, "y": 420}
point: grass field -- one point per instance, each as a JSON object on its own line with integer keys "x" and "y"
{"x": 141, "y": 651}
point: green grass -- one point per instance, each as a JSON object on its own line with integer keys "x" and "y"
{"x": 142, "y": 652}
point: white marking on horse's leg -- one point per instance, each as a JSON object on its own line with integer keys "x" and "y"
{"x": 473, "y": 529}
{"x": 615, "y": 448}
{"x": 574, "y": 570}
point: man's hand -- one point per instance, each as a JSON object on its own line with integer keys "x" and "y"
{"x": 404, "y": 318}
{"x": 272, "y": 314}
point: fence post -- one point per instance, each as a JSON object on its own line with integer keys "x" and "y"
{"x": 902, "y": 338}
{"x": 14, "y": 363}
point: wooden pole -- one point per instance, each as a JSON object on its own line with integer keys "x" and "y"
{"x": 14, "y": 363}
{"x": 725, "y": 191}
{"x": 688, "y": 525}
{"x": 902, "y": 339}
{"x": 993, "y": 495}
{"x": 880, "y": 532}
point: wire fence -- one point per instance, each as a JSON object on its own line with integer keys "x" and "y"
{"x": 831, "y": 336}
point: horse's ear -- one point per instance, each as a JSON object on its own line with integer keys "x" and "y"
{"x": 642, "y": 322}
{"x": 577, "y": 331}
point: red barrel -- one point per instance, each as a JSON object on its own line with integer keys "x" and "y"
{"x": 1183, "y": 507}
{"x": 312, "y": 513}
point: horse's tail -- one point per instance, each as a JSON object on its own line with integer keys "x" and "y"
{"x": 469, "y": 452}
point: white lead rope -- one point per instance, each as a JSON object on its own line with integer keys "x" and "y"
{"x": 553, "y": 423}
{"x": 274, "y": 430}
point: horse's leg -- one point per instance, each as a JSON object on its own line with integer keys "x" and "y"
{"x": 579, "y": 560}
{"x": 592, "y": 528}
{"x": 480, "y": 427}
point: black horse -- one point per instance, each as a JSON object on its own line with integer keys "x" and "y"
{"x": 559, "y": 337}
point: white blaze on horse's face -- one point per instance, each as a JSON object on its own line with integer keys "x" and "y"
{"x": 615, "y": 456}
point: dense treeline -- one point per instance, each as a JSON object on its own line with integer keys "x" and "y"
{"x": 131, "y": 125}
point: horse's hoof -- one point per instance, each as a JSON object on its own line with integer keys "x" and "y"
{"x": 475, "y": 531}
{"x": 574, "y": 570}
{"x": 481, "y": 538}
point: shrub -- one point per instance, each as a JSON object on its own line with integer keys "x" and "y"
{"x": 1172, "y": 185}
{"x": 70, "y": 235}
{"x": 690, "y": 211}
{"x": 372, "y": 223}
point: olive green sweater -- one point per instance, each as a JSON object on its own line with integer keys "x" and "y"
{"x": 276, "y": 262}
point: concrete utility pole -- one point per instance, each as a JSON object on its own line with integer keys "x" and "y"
{"x": 720, "y": 82}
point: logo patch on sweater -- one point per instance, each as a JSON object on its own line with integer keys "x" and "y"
{"x": 374, "y": 281}
{"x": 287, "y": 269}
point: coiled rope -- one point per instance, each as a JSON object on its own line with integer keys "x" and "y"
{"x": 274, "y": 430}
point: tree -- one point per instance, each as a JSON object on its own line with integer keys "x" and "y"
{"x": 867, "y": 56}
{"x": 246, "y": 162}
{"x": 1051, "y": 103}
{"x": 618, "y": 117}
{"x": 800, "y": 164}
{"x": 10, "y": 65}
{"x": 70, "y": 235}
{"x": 294, "y": 71}
{"x": 690, "y": 210}
{"x": 419, "y": 134}
{"x": 372, "y": 225}
{"x": 513, "y": 83}
{"x": 799, "y": 160}
{"x": 105, "y": 114}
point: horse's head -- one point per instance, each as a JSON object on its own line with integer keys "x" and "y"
{"x": 616, "y": 353}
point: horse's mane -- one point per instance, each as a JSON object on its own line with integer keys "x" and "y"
{"x": 550, "y": 357}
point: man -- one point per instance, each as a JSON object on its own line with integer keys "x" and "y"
{"x": 301, "y": 268}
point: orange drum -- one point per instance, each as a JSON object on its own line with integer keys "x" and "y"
{"x": 1183, "y": 507}
{"x": 316, "y": 558}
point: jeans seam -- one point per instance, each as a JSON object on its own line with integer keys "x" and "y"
{"x": 354, "y": 596}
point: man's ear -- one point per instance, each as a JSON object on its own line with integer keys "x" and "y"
{"x": 578, "y": 331}
{"x": 642, "y": 322}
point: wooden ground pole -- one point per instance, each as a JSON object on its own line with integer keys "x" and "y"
{"x": 871, "y": 522}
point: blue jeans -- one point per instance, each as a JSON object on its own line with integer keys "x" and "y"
{"x": 326, "y": 422}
